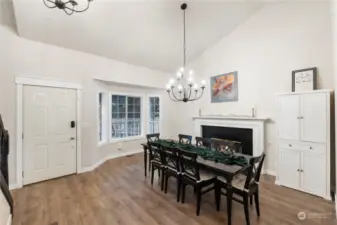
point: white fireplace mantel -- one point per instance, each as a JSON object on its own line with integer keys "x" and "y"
{"x": 256, "y": 124}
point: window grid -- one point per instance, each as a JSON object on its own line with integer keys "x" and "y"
{"x": 154, "y": 115}
{"x": 125, "y": 116}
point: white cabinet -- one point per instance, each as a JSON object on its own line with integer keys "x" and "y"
{"x": 313, "y": 173}
{"x": 304, "y": 135}
{"x": 289, "y": 112}
{"x": 290, "y": 162}
{"x": 314, "y": 117}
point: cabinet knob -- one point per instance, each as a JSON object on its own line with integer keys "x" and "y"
{"x": 298, "y": 170}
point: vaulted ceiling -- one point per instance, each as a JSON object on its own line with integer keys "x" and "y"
{"x": 144, "y": 33}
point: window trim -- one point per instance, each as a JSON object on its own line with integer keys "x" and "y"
{"x": 161, "y": 112}
{"x": 105, "y": 139}
{"x": 142, "y": 118}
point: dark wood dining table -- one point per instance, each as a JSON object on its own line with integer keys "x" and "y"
{"x": 220, "y": 169}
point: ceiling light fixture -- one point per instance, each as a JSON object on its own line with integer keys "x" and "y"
{"x": 181, "y": 89}
{"x": 68, "y": 6}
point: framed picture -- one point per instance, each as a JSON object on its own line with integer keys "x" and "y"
{"x": 224, "y": 88}
{"x": 304, "y": 80}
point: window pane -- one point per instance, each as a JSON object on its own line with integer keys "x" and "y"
{"x": 125, "y": 116}
{"x": 154, "y": 115}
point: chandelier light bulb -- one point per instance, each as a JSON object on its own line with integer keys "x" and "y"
{"x": 191, "y": 72}
{"x": 179, "y": 75}
{"x": 171, "y": 81}
{"x": 182, "y": 69}
{"x": 203, "y": 83}
{"x": 195, "y": 86}
{"x": 168, "y": 86}
{"x": 190, "y": 80}
{"x": 180, "y": 87}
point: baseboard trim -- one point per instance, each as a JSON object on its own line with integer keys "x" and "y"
{"x": 112, "y": 156}
{"x": 14, "y": 186}
{"x": 270, "y": 172}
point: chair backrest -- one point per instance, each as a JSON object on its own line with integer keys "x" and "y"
{"x": 171, "y": 157}
{"x": 227, "y": 146}
{"x": 156, "y": 152}
{"x": 189, "y": 165}
{"x": 203, "y": 142}
{"x": 185, "y": 139}
{"x": 254, "y": 172}
{"x": 152, "y": 137}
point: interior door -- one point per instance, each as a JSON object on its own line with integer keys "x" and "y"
{"x": 49, "y": 141}
{"x": 314, "y": 117}
{"x": 289, "y": 166}
{"x": 314, "y": 178}
{"x": 288, "y": 117}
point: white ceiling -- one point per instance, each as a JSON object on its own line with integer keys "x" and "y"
{"x": 145, "y": 33}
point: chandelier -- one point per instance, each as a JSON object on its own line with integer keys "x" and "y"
{"x": 68, "y": 6}
{"x": 183, "y": 88}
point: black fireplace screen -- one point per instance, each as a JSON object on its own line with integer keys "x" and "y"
{"x": 243, "y": 135}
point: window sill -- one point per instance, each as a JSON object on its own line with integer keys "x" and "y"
{"x": 135, "y": 138}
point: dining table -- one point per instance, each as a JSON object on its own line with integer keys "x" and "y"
{"x": 225, "y": 168}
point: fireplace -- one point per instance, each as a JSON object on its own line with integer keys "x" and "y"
{"x": 243, "y": 135}
{"x": 249, "y": 130}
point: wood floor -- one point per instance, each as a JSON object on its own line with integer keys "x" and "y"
{"x": 118, "y": 193}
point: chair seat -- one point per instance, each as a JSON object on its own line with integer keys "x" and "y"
{"x": 238, "y": 181}
{"x": 204, "y": 176}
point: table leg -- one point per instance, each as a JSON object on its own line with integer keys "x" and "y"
{"x": 145, "y": 160}
{"x": 229, "y": 202}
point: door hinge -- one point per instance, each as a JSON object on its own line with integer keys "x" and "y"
{"x": 22, "y": 135}
{"x": 23, "y": 174}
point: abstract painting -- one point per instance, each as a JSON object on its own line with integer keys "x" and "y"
{"x": 224, "y": 88}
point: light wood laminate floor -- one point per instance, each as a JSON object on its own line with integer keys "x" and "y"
{"x": 118, "y": 193}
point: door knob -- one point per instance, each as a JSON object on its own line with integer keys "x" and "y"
{"x": 72, "y": 138}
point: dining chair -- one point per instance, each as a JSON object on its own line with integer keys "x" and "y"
{"x": 227, "y": 146}
{"x": 152, "y": 137}
{"x": 196, "y": 177}
{"x": 245, "y": 185}
{"x": 156, "y": 161}
{"x": 172, "y": 167}
{"x": 185, "y": 139}
{"x": 203, "y": 142}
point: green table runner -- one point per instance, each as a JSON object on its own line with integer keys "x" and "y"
{"x": 207, "y": 154}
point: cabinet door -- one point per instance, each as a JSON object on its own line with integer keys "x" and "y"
{"x": 288, "y": 117}
{"x": 314, "y": 117}
{"x": 289, "y": 166}
{"x": 314, "y": 176}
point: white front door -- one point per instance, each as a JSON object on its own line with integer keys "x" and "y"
{"x": 49, "y": 141}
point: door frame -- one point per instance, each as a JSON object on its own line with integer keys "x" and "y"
{"x": 43, "y": 82}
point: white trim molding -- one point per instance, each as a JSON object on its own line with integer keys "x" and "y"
{"x": 257, "y": 125}
{"x": 116, "y": 154}
{"x": 45, "y": 82}
{"x": 20, "y": 82}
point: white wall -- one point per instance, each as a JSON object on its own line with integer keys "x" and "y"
{"x": 28, "y": 58}
{"x": 279, "y": 38}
